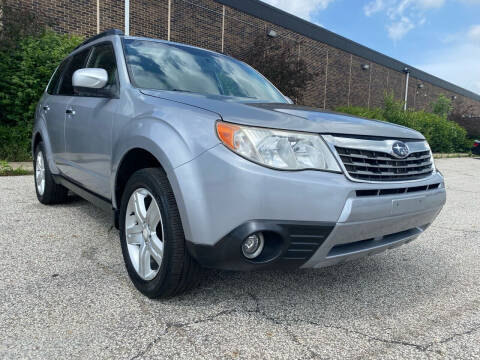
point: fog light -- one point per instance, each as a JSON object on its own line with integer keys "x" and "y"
{"x": 253, "y": 245}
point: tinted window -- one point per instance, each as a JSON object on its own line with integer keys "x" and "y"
{"x": 156, "y": 65}
{"x": 77, "y": 62}
{"x": 53, "y": 85}
{"x": 103, "y": 57}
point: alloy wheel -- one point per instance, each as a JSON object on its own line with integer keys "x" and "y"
{"x": 144, "y": 233}
{"x": 40, "y": 173}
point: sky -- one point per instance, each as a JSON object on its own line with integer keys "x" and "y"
{"x": 441, "y": 37}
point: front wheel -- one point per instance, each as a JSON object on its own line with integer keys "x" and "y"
{"x": 48, "y": 192}
{"x": 152, "y": 238}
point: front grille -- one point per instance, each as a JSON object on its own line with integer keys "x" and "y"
{"x": 380, "y": 166}
{"x": 382, "y": 192}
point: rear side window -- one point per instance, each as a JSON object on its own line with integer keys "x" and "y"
{"x": 103, "y": 57}
{"x": 53, "y": 85}
{"x": 77, "y": 62}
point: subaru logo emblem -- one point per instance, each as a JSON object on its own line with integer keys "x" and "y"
{"x": 400, "y": 150}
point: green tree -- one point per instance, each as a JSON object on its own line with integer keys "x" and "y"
{"x": 278, "y": 61}
{"x": 442, "y": 106}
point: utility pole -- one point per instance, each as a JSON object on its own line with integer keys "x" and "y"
{"x": 406, "y": 71}
{"x": 127, "y": 17}
{"x": 98, "y": 16}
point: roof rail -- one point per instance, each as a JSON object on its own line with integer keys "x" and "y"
{"x": 102, "y": 34}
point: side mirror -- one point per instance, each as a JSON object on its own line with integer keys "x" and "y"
{"x": 92, "y": 82}
{"x": 90, "y": 78}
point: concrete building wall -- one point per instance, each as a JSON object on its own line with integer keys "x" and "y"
{"x": 341, "y": 78}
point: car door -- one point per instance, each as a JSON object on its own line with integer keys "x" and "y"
{"x": 53, "y": 107}
{"x": 88, "y": 131}
{"x": 56, "y": 108}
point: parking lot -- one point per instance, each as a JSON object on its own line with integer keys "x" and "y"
{"x": 64, "y": 292}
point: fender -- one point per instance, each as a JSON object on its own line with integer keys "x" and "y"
{"x": 171, "y": 145}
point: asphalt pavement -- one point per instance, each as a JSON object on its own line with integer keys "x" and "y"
{"x": 64, "y": 293}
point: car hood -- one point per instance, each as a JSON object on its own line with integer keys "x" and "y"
{"x": 287, "y": 116}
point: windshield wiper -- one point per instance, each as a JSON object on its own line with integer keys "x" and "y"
{"x": 188, "y": 91}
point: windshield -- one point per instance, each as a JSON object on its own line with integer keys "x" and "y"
{"x": 156, "y": 65}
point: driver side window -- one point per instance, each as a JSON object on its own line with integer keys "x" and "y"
{"x": 77, "y": 62}
{"x": 103, "y": 56}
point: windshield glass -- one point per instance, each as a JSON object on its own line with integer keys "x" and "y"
{"x": 156, "y": 65}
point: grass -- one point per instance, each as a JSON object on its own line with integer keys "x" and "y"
{"x": 7, "y": 170}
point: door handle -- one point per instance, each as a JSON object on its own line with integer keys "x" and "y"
{"x": 70, "y": 112}
{"x": 46, "y": 107}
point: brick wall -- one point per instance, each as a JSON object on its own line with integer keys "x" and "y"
{"x": 147, "y": 18}
{"x": 341, "y": 78}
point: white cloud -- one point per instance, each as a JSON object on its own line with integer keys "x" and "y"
{"x": 402, "y": 15}
{"x": 373, "y": 7}
{"x": 430, "y": 4}
{"x": 398, "y": 29}
{"x": 301, "y": 8}
{"x": 474, "y": 34}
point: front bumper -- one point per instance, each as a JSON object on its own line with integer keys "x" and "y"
{"x": 315, "y": 218}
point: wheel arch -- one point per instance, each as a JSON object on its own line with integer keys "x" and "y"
{"x": 134, "y": 159}
{"x": 37, "y": 138}
{"x": 40, "y": 134}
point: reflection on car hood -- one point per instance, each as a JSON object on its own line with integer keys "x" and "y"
{"x": 287, "y": 116}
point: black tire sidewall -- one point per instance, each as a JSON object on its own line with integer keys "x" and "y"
{"x": 148, "y": 179}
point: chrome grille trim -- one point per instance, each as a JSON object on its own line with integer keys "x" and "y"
{"x": 372, "y": 160}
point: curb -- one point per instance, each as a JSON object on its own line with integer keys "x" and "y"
{"x": 451, "y": 156}
{"x": 27, "y": 165}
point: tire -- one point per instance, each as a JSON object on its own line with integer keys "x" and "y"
{"x": 177, "y": 271}
{"x": 49, "y": 192}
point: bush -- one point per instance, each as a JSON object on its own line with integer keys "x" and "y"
{"x": 444, "y": 136}
{"x": 15, "y": 142}
{"x": 26, "y": 69}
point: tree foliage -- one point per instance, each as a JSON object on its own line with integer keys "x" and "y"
{"x": 442, "y": 106}
{"x": 28, "y": 57}
{"x": 278, "y": 60}
{"x": 26, "y": 70}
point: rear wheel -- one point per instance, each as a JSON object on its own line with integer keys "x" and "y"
{"x": 152, "y": 238}
{"x": 48, "y": 192}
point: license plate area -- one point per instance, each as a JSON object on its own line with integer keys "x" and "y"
{"x": 403, "y": 206}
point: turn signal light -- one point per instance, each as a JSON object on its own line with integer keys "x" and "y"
{"x": 226, "y": 133}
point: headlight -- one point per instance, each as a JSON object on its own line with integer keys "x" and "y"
{"x": 279, "y": 149}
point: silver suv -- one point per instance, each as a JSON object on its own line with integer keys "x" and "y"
{"x": 205, "y": 163}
